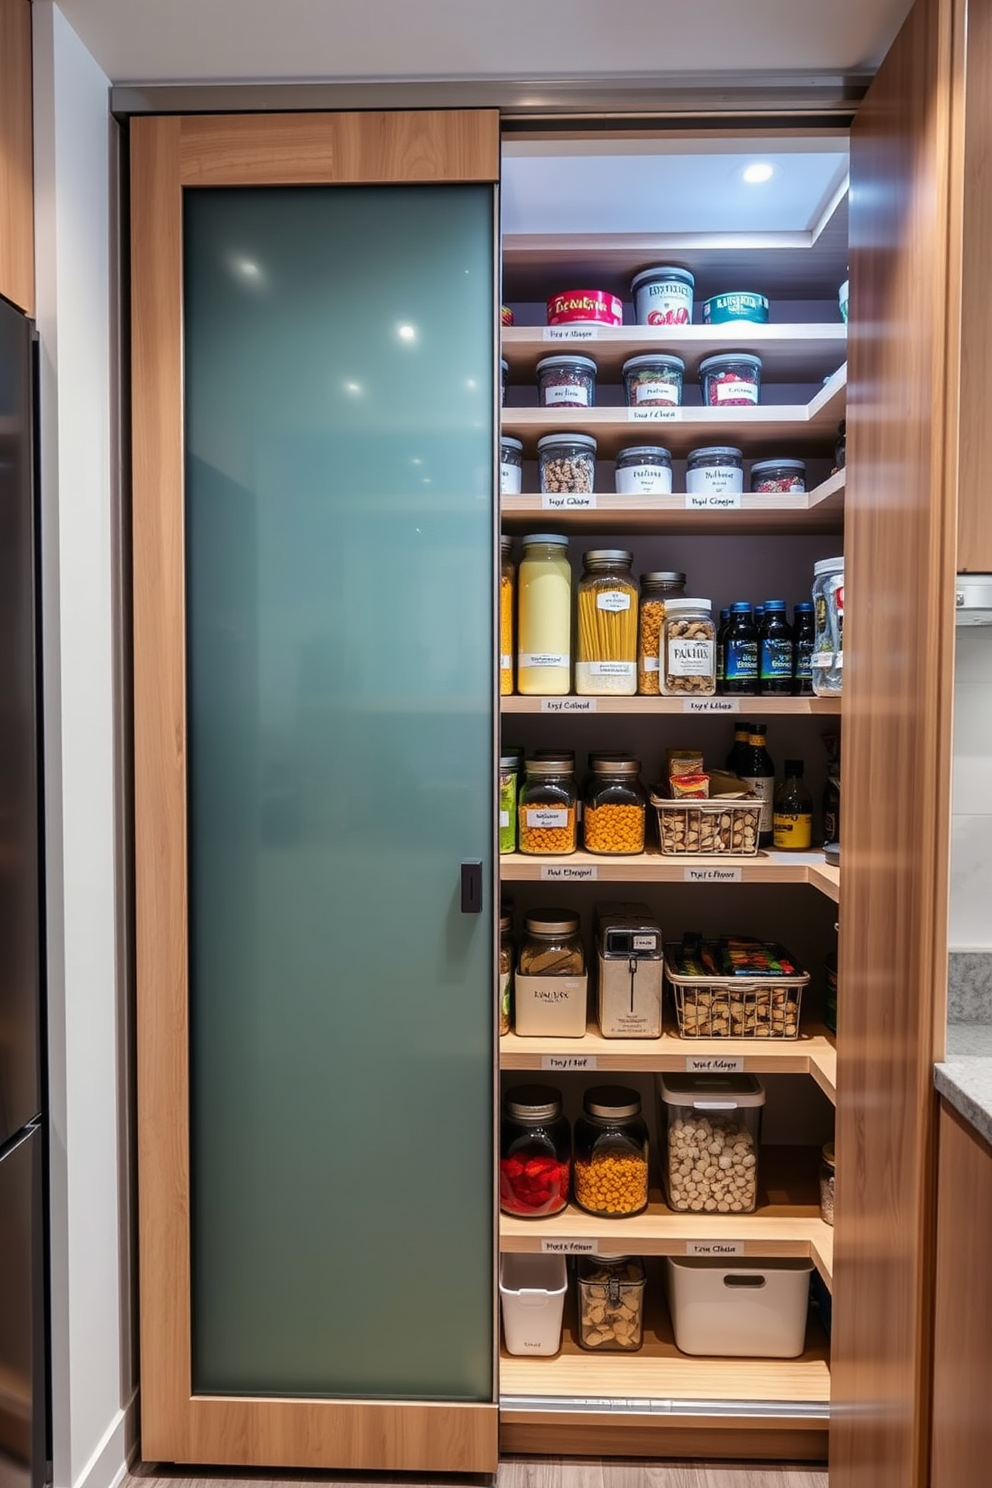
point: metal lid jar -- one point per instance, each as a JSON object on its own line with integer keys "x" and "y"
{"x": 551, "y": 945}
{"x": 653, "y": 380}
{"x": 511, "y": 460}
{"x": 535, "y": 1152}
{"x": 610, "y": 1295}
{"x": 567, "y": 464}
{"x": 606, "y": 644}
{"x": 544, "y": 616}
{"x": 615, "y": 807}
{"x": 731, "y": 379}
{"x": 546, "y": 810}
{"x": 663, "y": 295}
{"x": 566, "y": 382}
{"x": 644, "y": 470}
{"x": 651, "y": 614}
{"x": 507, "y": 613}
{"x": 509, "y": 777}
{"x": 717, "y": 468}
{"x": 778, "y": 477}
{"x": 688, "y": 649}
{"x": 505, "y": 969}
{"x": 611, "y": 1152}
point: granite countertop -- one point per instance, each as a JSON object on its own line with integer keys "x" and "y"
{"x": 964, "y": 1079}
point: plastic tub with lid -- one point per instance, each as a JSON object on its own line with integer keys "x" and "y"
{"x": 715, "y": 1115}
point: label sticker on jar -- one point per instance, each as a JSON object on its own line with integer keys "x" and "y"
{"x": 723, "y": 479}
{"x": 658, "y": 391}
{"x": 509, "y": 480}
{"x": 650, "y": 664}
{"x": 824, "y": 659}
{"x": 528, "y": 659}
{"x": 504, "y": 818}
{"x": 713, "y": 1064}
{"x": 574, "y": 393}
{"x": 710, "y": 705}
{"x": 653, "y": 415}
{"x": 505, "y": 662}
{"x": 568, "y": 705}
{"x": 690, "y": 658}
{"x": 711, "y": 875}
{"x": 613, "y": 600}
{"x": 735, "y": 390}
{"x": 571, "y": 333}
{"x": 644, "y": 480}
{"x": 569, "y": 872}
{"x": 712, "y": 501}
{"x": 611, "y": 668}
{"x": 545, "y": 816}
{"x": 714, "y": 1247}
{"x": 576, "y": 501}
{"x": 569, "y": 1247}
{"x": 569, "y": 1062}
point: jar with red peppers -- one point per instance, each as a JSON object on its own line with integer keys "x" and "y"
{"x": 732, "y": 379}
{"x": 535, "y": 1153}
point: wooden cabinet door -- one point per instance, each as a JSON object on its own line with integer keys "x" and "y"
{"x": 899, "y": 534}
{"x": 246, "y": 1357}
{"x": 16, "y": 156}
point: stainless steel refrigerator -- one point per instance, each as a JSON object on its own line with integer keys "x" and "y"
{"x": 24, "y": 1450}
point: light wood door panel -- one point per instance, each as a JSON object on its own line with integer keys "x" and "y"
{"x": 168, "y": 155}
{"x": 901, "y": 491}
{"x": 16, "y": 156}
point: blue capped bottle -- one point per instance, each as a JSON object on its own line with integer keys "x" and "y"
{"x": 741, "y": 651}
{"x": 775, "y": 650}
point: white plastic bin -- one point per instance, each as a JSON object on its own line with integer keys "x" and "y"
{"x": 532, "y": 1295}
{"x": 752, "y": 1309}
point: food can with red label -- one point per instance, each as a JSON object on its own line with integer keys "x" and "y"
{"x": 663, "y": 296}
{"x": 585, "y": 307}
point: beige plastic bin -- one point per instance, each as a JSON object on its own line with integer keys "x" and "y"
{"x": 532, "y": 1295}
{"x": 753, "y": 1309}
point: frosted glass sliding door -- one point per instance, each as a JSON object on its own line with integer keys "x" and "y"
{"x": 339, "y": 419}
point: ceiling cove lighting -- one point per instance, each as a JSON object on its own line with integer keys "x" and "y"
{"x": 757, "y": 172}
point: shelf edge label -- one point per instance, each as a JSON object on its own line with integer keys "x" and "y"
{"x": 656, "y": 415}
{"x": 562, "y": 872}
{"x": 711, "y": 875}
{"x": 711, "y": 705}
{"x": 568, "y": 1062}
{"x": 713, "y": 1064}
{"x": 571, "y": 333}
{"x": 568, "y": 501}
{"x": 570, "y": 1247}
{"x": 568, "y": 705}
{"x": 714, "y": 1247}
{"x": 713, "y": 501}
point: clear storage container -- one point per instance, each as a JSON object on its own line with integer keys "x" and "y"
{"x": 566, "y": 382}
{"x": 507, "y": 613}
{"x": 611, "y": 1153}
{"x": 719, "y": 468}
{"x": 711, "y": 1126}
{"x": 606, "y": 645}
{"x": 511, "y": 461}
{"x": 532, "y": 1299}
{"x": 752, "y": 1309}
{"x": 644, "y": 470}
{"x": 544, "y": 616}
{"x": 546, "y": 811}
{"x": 731, "y": 379}
{"x": 550, "y": 986}
{"x": 653, "y": 380}
{"x": 615, "y": 807}
{"x": 610, "y": 1303}
{"x": 828, "y": 622}
{"x": 688, "y": 649}
{"x": 655, "y": 589}
{"x": 535, "y": 1153}
{"x": 509, "y": 769}
{"x": 778, "y": 477}
{"x": 567, "y": 463}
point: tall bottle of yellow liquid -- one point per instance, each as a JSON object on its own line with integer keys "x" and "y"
{"x": 793, "y": 813}
{"x": 544, "y": 617}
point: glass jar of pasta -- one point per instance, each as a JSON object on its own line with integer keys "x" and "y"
{"x": 654, "y": 587}
{"x": 615, "y": 806}
{"x": 507, "y": 607}
{"x": 606, "y": 648}
{"x": 546, "y": 810}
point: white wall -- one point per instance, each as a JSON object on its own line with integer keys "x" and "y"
{"x": 971, "y": 821}
{"x": 75, "y": 191}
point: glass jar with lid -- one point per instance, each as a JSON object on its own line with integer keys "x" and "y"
{"x": 610, "y": 1295}
{"x": 551, "y": 986}
{"x": 567, "y": 464}
{"x": 688, "y": 649}
{"x": 778, "y": 477}
{"x": 828, "y": 1172}
{"x": 606, "y": 646}
{"x": 615, "y": 807}
{"x": 654, "y": 588}
{"x": 507, "y": 611}
{"x": 644, "y": 470}
{"x": 566, "y": 382}
{"x": 610, "y": 1164}
{"x": 546, "y": 808}
{"x": 505, "y": 967}
{"x": 535, "y": 1152}
{"x": 731, "y": 379}
{"x": 509, "y": 772}
{"x": 544, "y": 616}
{"x": 718, "y": 469}
{"x": 511, "y": 465}
{"x": 653, "y": 380}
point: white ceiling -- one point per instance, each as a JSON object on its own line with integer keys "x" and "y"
{"x": 161, "y": 41}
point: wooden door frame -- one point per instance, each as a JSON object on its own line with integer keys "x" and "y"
{"x": 169, "y": 155}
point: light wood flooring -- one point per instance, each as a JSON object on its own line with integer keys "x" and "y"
{"x": 516, "y": 1472}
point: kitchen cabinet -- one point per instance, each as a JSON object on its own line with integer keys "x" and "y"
{"x": 962, "y": 1429}
{"x": 16, "y": 156}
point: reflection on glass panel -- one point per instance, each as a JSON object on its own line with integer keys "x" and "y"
{"x": 339, "y": 408}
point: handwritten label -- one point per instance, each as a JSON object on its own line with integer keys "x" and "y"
{"x": 714, "y": 1247}
{"x": 711, "y": 705}
{"x": 568, "y": 1062}
{"x": 568, "y": 705}
{"x": 657, "y": 415}
{"x": 712, "y": 501}
{"x": 570, "y": 1247}
{"x": 715, "y": 1064}
{"x": 711, "y": 875}
{"x": 578, "y": 873}
{"x": 571, "y": 333}
{"x": 570, "y": 501}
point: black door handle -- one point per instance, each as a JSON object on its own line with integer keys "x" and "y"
{"x": 472, "y": 886}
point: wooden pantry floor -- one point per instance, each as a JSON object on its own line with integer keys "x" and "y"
{"x": 514, "y": 1472}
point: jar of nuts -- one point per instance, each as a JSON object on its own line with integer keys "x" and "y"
{"x": 546, "y": 808}
{"x": 611, "y": 1302}
{"x": 615, "y": 807}
{"x": 655, "y": 587}
{"x": 712, "y": 1126}
{"x": 611, "y": 1153}
{"x": 688, "y": 649}
{"x": 567, "y": 464}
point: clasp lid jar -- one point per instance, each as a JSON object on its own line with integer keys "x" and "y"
{"x": 566, "y": 382}
{"x": 731, "y": 379}
{"x": 611, "y": 1303}
{"x": 615, "y": 808}
{"x": 547, "y": 806}
{"x": 611, "y": 1152}
{"x": 535, "y": 1152}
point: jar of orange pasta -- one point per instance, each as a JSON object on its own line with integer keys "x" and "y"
{"x": 546, "y": 809}
{"x": 606, "y": 650}
{"x": 507, "y": 608}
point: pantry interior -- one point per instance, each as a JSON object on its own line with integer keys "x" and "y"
{"x": 591, "y": 212}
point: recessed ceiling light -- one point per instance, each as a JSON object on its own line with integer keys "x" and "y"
{"x": 352, "y": 387}
{"x": 406, "y": 333}
{"x": 757, "y": 172}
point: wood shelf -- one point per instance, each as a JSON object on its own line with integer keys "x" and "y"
{"x": 786, "y": 1223}
{"x": 812, "y": 1053}
{"x": 768, "y": 867}
{"x": 721, "y": 707}
{"x": 816, "y": 511}
{"x": 760, "y": 430}
{"x": 789, "y": 353}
